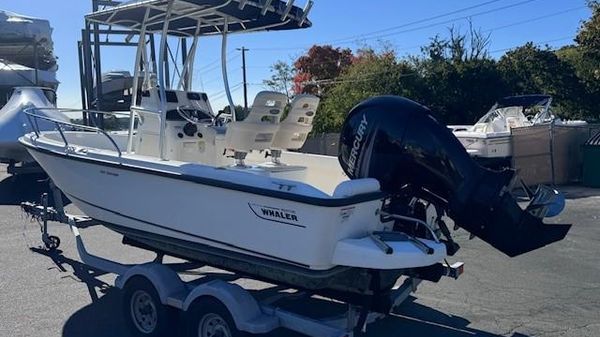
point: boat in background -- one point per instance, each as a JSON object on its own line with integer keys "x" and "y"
{"x": 14, "y": 75}
{"x": 116, "y": 91}
{"x": 27, "y": 80}
{"x": 27, "y": 41}
{"x": 489, "y": 140}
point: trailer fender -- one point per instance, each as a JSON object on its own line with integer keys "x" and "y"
{"x": 244, "y": 309}
{"x": 163, "y": 278}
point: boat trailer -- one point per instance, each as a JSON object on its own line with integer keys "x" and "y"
{"x": 154, "y": 291}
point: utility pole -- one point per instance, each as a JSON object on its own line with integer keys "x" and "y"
{"x": 244, "y": 50}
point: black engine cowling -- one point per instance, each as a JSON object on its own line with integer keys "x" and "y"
{"x": 400, "y": 143}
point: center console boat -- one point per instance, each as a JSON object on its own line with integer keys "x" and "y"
{"x": 195, "y": 184}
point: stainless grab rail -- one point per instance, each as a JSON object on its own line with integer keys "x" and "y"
{"x": 30, "y": 112}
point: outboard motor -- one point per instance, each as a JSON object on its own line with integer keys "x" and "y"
{"x": 401, "y": 144}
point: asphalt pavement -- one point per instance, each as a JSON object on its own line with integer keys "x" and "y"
{"x": 554, "y": 291}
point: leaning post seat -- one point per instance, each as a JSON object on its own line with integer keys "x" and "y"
{"x": 294, "y": 129}
{"x": 258, "y": 129}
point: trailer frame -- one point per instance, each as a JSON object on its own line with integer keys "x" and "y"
{"x": 244, "y": 313}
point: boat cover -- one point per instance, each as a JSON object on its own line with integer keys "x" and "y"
{"x": 242, "y": 16}
{"x": 14, "y": 122}
{"x": 15, "y": 75}
{"x": 19, "y": 34}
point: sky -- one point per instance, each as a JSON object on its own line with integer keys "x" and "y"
{"x": 405, "y": 25}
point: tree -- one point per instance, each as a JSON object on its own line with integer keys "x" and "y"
{"x": 460, "y": 80}
{"x": 371, "y": 74}
{"x": 321, "y": 63}
{"x": 529, "y": 70}
{"x": 458, "y": 47}
{"x": 588, "y": 36}
{"x": 585, "y": 57}
{"x": 282, "y": 75}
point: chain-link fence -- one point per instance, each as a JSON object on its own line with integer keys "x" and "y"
{"x": 550, "y": 154}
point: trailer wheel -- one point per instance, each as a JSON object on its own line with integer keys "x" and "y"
{"x": 208, "y": 317}
{"x": 144, "y": 314}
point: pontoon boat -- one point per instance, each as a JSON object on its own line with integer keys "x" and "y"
{"x": 195, "y": 184}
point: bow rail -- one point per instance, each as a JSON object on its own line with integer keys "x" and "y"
{"x": 33, "y": 116}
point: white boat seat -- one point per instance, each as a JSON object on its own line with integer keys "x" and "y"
{"x": 513, "y": 122}
{"x": 354, "y": 187}
{"x": 294, "y": 129}
{"x": 258, "y": 129}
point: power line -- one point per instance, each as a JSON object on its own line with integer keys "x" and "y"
{"x": 364, "y": 77}
{"x": 536, "y": 19}
{"x": 497, "y": 9}
{"x": 216, "y": 67}
{"x": 209, "y": 65}
{"x": 455, "y": 19}
{"x": 359, "y": 78}
{"x": 415, "y": 22}
{"x": 538, "y": 43}
{"x": 223, "y": 93}
{"x": 354, "y": 37}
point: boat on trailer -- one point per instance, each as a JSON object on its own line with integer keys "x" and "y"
{"x": 195, "y": 184}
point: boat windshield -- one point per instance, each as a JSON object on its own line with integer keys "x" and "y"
{"x": 502, "y": 113}
{"x": 521, "y": 114}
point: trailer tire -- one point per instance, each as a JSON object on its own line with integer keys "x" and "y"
{"x": 208, "y": 317}
{"x": 145, "y": 315}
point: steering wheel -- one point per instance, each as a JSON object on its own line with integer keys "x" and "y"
{"x": 194, "y": 115}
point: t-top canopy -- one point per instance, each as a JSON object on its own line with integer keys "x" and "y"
{"x": 241, "y": 16}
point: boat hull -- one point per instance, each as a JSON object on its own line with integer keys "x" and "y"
{"x": 291, "y": 232}
{"x": 485, "y": 145}
{"x": 344, "y": 283}
{"x": 246, "y": 210}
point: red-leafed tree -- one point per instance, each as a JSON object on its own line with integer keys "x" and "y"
{"x": 320, "y": 66}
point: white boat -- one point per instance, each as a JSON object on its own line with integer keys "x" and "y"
{"x": 489, "y": 140}
{"x": 197, "y": 185}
